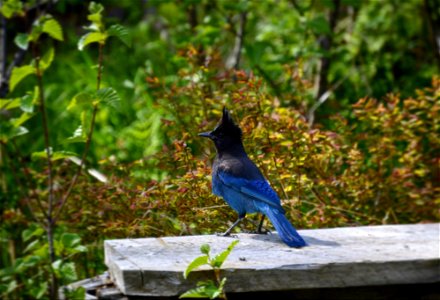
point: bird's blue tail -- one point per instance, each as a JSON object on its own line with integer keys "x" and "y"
{"x": 285, "y": 230}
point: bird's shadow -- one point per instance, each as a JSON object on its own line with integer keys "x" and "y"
{"x": 311, "y": 241}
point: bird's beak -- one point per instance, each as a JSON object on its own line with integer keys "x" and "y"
{"x": 205, "y": 134}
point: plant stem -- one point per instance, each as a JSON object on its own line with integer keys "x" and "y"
{"x": 89, "y": 138}
{"x": 50, "y": 222}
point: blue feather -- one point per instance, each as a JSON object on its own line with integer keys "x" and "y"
{"x": 237, "y": 179}
{"x": 250, "y": 196}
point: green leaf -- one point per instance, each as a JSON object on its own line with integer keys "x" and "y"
{"x": 11, "y": 7}
{"x": 18, "y": 74}
{"x": 205, "y": 249}
{"x": 53, "y": 29}
{"x": 23, "y": 118}
{"x": 121, "y": 33}
{"x": 41, "y": 290}
{"x": 77, "y": 137}
{"x": 8, "y": 131}
{"x": 91, "y": 37}
{"x": 34, "y": 244}
{"x": 109, "y": 96}
{"x": 47, "y": 59}
{"x": 31, "y": 261}
{"x": 80, "y": 248}
{"x": 68, "y": 272}
{"x": 81, "y": 100}
{"x": 319, "y": 25}
{"x": 27, "y": 234}
{"x": 56, "y": 265}
{"x": 205, "y": 289}
{"x": 197, "y": 262}
{"x": 37, "y": 30}
{"x": 77, "y": 293}
{"x": 219, "y": 259}
{"x": 7, "y": 104}
{"x": 54, "y": 156}
{"x": 27, "y": 103}
{"x": 11, "y": 286}
{"x": 95, "y": 8}
{"x": 70, "y": 240}
{"x": 22, "y": 41}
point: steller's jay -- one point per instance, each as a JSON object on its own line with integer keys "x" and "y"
{"x": 238, "y": 180}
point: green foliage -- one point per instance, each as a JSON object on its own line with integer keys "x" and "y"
{"x": 27, "y": 275}
{"x": 19, "y": 73}
{"x": 367, "y": 161}
{"x": 208, "y": 289}
{"x": 45, "y": 258}
{"x": 98, "y": 33}
{"x": 11, "y": 7}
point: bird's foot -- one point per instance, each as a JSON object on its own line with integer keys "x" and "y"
{"x": 261, "y": 231}
{"x": 227, "y": 234}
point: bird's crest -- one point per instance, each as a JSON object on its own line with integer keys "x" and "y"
{"x": 228, "y": 126}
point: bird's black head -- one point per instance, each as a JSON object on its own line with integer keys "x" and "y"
{"x": 226, "y": 134}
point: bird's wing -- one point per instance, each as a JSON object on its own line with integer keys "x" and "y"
{"x": 259, "y": 190}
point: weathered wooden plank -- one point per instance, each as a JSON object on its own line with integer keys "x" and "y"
{"x": 337, "y": 257}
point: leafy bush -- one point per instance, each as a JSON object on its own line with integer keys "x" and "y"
{"x": 371, "y": 161}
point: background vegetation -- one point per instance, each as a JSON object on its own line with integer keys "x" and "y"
{"x": 338, "y": 101}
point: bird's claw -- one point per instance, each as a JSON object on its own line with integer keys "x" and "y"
{"x": 259, "y": 232}
{"x": 226, "y": 234}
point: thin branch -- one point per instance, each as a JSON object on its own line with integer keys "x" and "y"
{"x": 326, "y": 43}
{"x": 433, "y": 17}
{"x": 43, "y": 112}
{"x": 324, "y": 97}
{"x": 88, "y": 141}
{"x": 40, "y": 7}
{"x": 3, "y": 53}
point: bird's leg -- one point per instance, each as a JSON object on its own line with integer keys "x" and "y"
{"x": 260, "y": 226}
{"x": 228, "y": 232}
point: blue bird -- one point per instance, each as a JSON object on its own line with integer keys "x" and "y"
{"x": 240, "y": 183}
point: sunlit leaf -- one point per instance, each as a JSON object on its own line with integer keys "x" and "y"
{"x": 80, "y": 100}
{"x": 98, "y": 175}
{"x": 8, "y": 131}
{"x": 91, "y": 37}
{"x": 18, "y": 74}
{"x": 31, "y": 246}
{"x": 78, "y": 136}
{"x": 10, "y": 7}
{"x": 197, "y": 262}
{"x": 53, "y": 29}
{"x": 7, "y": 104}
{"x": 54, "y": 156}
{"x": 47, "y": 58}
{"x": 20, "y": 120}
{"x": 219, "y": 259}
